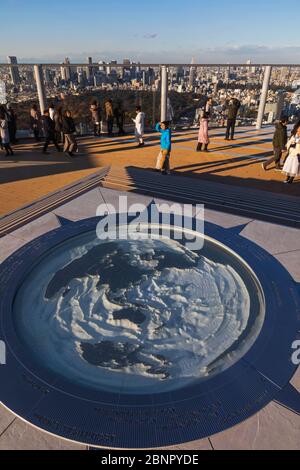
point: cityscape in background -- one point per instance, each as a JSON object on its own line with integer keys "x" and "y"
{"x": 132, "y": 83}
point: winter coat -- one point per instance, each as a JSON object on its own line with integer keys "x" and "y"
{"x": 119, "y": 114}
{"x": 165, "y": 140}
{"x": 203, "y": 132}
{"x": 292, "y": 163}
{"x": 139, "y": 122}
{"x": 4, "y": 133}
{"x": 68, "y": 126}
{"x": 51, "y": 113}
{"x": 233, "y": 108}
{"x": 280, "y": 136}
{"x": 109, "y": 112}
{"x": 96, "y": 116}
{"x": 48, "y": 126}
{"x": 58, "y": 119}
{"x": 35, "y": 119}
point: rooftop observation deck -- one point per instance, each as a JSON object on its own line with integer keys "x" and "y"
{"x": 231, "y": 171}
{"x": 30, "y": 174}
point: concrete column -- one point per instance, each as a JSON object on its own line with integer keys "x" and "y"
{"x": 164, "y": 94}
{"x": 38, "y": 73}
{"x": 263, "y": 97}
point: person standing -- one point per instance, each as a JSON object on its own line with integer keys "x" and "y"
{"x": 119, "y": 115}
{"x": 4, "y": 133}
{"x": 203, "y": 138}
{"x": 96, "y": 118}
{"x": 69, "y": 129}
{"x": 139, "y": 122}
{"x": 58, "y": 124}
{"x": 163, "y": 160}
{"x": 49, "y": 131}
{"x": 291, "y": 167}
{"x": 12, "y": 123}
{"x": 208, "y": 108}
{"x": 280, "y": 139}
{"x": 232, "y": 109}
{"x": 35, "y": 122}
{"x": 109, "y": 114}
{"x": 52, "y": 111}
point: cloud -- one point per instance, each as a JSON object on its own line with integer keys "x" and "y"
{"x": 150, "y": 36}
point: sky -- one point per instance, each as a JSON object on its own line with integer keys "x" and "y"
{"x": 154, "y": 31}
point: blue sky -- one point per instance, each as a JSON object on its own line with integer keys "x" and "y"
{"x": 153, "y": 31}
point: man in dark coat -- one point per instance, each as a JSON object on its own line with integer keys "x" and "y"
{"x": 279, "y": 143}
{"x": 232, "y": 108}
{"x": 69, "y": 129}
{"x": 12, "y": 124}
{"x": 119, "y": 115}
{"x": 49, "y": 131}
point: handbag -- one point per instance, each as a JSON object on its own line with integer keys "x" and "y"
{"x": 160, "y": 161}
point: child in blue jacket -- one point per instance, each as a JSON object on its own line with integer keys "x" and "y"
{"x": 163, "y": 161}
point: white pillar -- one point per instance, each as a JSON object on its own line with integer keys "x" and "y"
{"x": 164, "y": 94}
{"x": 38, "y": 73}
{"x": 263, "y": 97}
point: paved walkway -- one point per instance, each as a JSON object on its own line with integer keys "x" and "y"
{"x": 275, "y": 427}
{"x": 30, "y": 174}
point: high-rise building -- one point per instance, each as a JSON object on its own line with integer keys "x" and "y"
{"x": 14, "y": 71}
{"x": 47, "y": 76}
{"x": 192, "y": 75}
{"x": 66, "y": 71}
{"x": 89, "y": 70}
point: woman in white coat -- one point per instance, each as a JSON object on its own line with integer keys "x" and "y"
{"x": 292, "y": 164}
{"x": 139, "y": 122}
{"x": 4, "y": 133}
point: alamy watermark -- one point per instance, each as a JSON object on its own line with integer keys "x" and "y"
{"x": 2, "y": 353}
{"x": 296, "y": 354}
{"x": 182, "y": 222}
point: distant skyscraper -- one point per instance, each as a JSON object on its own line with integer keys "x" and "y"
{"x": 89, "y": 70}
{"x": 47, "y": 76}
{"x": 14, "y": 71}
{"x": 192, "y": 75}
{"x": 66, "y": 71}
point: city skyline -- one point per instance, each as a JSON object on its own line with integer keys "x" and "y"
{"x": 266, "y": 32}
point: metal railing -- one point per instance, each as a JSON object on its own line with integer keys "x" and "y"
{"x": 163, "y": 74}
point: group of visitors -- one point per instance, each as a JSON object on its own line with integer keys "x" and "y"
{"x": 58, "y": 128}
{"x": 231, "y": 108}
{"x": 8, "y": 128}
{"x": 281, "y": 143}
{"x": 116, "y": 114}
{"x": 111, "y": 114}
{"x": 291, "y": 164}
